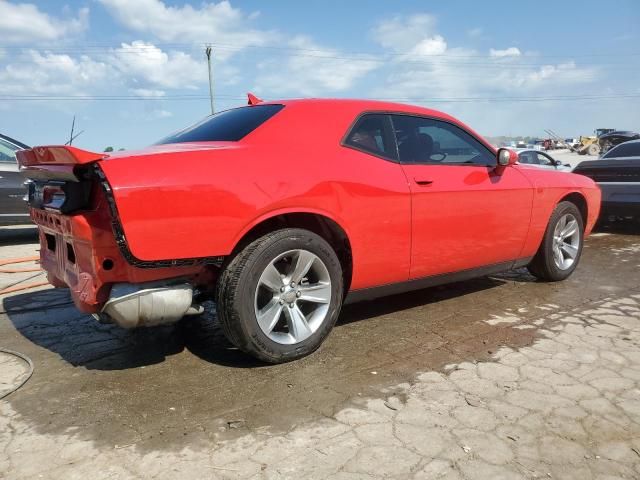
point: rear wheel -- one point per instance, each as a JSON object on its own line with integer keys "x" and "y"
{"x": 280, "y": 296}
{"x": 561, "y": 247}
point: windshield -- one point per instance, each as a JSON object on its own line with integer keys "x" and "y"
{"x": 227, "y": 126}
{"x": 7, "y": 152}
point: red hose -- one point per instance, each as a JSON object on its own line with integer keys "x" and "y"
{"x": 11, "y": 261}
{"x": 17, "y": 288}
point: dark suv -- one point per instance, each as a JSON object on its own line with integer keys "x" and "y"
{"x": 617, "y": 173}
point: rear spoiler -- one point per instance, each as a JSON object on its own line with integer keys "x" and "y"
{"x": 56, "y": 155}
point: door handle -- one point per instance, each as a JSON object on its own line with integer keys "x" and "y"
{"x": 423, "y": 181}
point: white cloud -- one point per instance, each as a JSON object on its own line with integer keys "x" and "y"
{"x": 402, "y": 33}
{"x": 425, "y": 66}
{"x": 24, "y": 22}
{"x": 143, "y": 64}
{"x": 429, "y": 46}
{"x": 146, "y": 92}
{"x": 475, "y": 32}
{"x": 38, "y": 73}
{"x": 212, "y": 22}
{"x": 317, "y": 73}
{"x": 142, "y": 68}
{"x": 508, "y": 52}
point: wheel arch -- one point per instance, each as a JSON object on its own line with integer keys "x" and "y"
{"x": 315, "y": 221}
{"x": 579, "y": 200}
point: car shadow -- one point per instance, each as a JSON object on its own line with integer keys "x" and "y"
{"x": 356, "y": 312}
{"x": 18, "y": 235}
{"x": 625, "y": 226}
{"x": 49, "y": 319}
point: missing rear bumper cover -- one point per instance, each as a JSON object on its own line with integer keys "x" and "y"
{"x": 124, "y": 247}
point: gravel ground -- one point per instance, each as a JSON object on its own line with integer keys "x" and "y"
{"x": 567, "y": 156}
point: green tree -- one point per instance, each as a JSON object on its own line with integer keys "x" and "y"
{"x": 108, "y": 149}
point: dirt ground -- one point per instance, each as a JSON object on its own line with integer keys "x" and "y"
{"x": 409, "y": 386}
{"x": 572, "y": 158}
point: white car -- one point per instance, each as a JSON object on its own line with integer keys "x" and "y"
{"x": 535, "y": 158}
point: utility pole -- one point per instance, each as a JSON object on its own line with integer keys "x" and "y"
{"x": 208, "y": 52}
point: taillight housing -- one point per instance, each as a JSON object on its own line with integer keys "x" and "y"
{"x": 60, "y": 196}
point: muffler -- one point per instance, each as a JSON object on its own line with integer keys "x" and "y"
{"x": 148, "y": 304}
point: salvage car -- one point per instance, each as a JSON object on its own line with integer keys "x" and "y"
{"x": 617, "y": 174}
{"x": 540, "y": 159}
{"x": 13, "y": 208}
{"x": 283, "y": 210}
{"x": 624, "y": 150}
{"x": 610, "y": 139}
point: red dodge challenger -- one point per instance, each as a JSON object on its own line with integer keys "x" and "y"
{"x": 284, "y": 210}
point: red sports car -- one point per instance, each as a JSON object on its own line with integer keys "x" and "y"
{"x": 284, "y": 210}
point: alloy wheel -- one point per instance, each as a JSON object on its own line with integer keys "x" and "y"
{"x": 566, "y": 241}
{"x": 293, "y": 296}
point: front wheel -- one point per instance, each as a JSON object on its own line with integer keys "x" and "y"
{"x": 280, "y": 296}
{"x": 561, "y": 246}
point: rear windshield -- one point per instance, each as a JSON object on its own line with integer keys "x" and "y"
{"x": 228, "y": 126}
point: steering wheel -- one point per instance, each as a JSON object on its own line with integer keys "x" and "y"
{"x": 442, "y": 154}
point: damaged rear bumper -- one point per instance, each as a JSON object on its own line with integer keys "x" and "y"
{"x": 80, "y": 252}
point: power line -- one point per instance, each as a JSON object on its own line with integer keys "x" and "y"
{"x": 495, "y": 65}
{"x": 390, "y": 99}
{"x": 199, "y": 45}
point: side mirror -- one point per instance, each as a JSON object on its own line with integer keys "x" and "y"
{"x": 505, "y": 158}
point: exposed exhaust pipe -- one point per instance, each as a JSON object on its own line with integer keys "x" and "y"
{"x": 148, "y": 304}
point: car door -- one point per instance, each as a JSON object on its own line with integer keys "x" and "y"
{"x": 13, "y": 208}
{"x": 379, "y": 206}
{"x": 465, "y": 214}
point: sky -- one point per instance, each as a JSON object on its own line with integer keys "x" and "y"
{"x": 132, "y": 71}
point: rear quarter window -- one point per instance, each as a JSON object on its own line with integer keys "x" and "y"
{"x": 227, "y": 126}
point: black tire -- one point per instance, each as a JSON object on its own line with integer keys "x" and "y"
{"x": 236, "y": 292}
{"x": 593, "y": 149}
{"x": 543, "y": 265}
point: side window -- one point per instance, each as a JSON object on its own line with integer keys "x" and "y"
{"x": 371, "y": 134}
{"x": 426, "y": 140}
{"x": 7, "y": 152}
{"x": 527, "y": 158}
{"x": 544, "y": 160}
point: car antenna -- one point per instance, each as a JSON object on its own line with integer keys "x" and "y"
{"x": 253, "y": 100}
{"x": 72, "y": 137}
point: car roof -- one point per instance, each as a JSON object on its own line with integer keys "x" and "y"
{"x": 362, "y": 104}
{"x": 630, "y": 133}
{"x": 349, "y": 107}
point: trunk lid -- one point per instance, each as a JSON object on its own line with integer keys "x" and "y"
{"x": 58, "y": 177}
